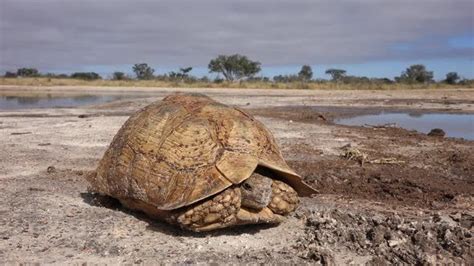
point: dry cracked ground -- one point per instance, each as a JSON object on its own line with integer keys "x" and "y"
{"x": 398, "y": 196}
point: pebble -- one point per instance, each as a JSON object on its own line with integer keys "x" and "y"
{"x": 51, "y": 169}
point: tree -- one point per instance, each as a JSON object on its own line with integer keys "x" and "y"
{"x": 336, "y": 74}
{"x": 452, "y": 78}
{"x": 234, "y": 66}
{"x": 119, "y": 76}
{"x": 27, "y": 72}
{"x": 143, "y": 71}
{"x": 416, "y": 74}
{"x": 86, "y": 75}
{"x": 306, "y": 73}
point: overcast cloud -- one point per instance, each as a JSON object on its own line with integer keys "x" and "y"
{"x": 70, "y": 34}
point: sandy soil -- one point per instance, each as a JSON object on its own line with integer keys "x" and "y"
{"x": 419, "y": 209}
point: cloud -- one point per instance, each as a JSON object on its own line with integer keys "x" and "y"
{"x": 69, "y": 34}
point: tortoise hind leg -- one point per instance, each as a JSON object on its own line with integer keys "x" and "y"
{"x": 217, "y": 212}
{"x": 284, "y": 198}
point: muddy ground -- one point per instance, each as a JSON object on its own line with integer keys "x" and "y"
{"x": 403, "y": 197}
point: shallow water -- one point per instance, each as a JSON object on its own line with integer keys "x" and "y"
{"x": 455, "y": 125}
{"x": 27, "y": 102}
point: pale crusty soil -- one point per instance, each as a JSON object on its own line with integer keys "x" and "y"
{"x": 419, "y": 211}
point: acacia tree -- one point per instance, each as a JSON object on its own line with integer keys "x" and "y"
{"x": 336, "y": 74}
{"x": 143, "y": 71}
{"x": 182, "y": 74}
{"x": 234, "y": 67}
{"x": 416, "y": 74}
{"x": 306, "y": 73}
{"x": 185, "y": 70}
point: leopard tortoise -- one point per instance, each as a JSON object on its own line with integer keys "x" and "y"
{"x": 200, "y": 164}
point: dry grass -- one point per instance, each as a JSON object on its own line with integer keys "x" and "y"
{"x": 198, "y": 84}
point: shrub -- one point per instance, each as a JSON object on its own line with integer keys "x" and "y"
{"x": 416, "y": 74}
{"x": 119, "y": 76}
{"x": 27, "y": 72}
{"x": 86, "y": 76}
{"x": 452, "y": 78}
{"x": 9, "y": 74}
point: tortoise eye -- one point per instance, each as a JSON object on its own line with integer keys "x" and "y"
{"x": 247, "y": 186}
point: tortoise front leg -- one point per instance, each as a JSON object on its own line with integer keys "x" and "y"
{"x": 284, "y": 198}
{"x": 224, "y": 210}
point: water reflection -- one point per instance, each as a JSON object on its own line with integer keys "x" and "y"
{"x": 455, "y": 125}
{"x": 85, "y": 98}
{"x": 49, "y": 101}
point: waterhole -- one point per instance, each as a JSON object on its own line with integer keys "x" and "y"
{"x": 455, "y": 125}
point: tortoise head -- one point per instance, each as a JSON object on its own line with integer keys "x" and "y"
{"x": 256, "y": 191}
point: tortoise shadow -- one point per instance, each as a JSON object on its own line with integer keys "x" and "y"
{"x": 98, "y": 200}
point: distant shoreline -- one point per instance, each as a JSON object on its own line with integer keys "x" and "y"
{"x": 313, "y": 85}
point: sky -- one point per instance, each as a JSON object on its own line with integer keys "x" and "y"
{"x": 374, "y": 38}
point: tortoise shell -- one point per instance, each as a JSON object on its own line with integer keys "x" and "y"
{"x": 185, "y": 148}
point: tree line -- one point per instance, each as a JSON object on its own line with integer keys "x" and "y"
{"x": 238, "y": 67}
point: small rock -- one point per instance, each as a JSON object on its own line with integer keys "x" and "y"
{"x": 44, "y": 144}
{"x": 20, "y": 133}
{"x": 396, "y": 242}
{"x": 456, "y": 216}
{"x": 467, "y": 221}
{"x": 437, "y": 132}
{"x": 448, "y": 235}
{"x": 51, "y": 169}
{"x": 444, "y": 219}
{"x": 376, "y": 235}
